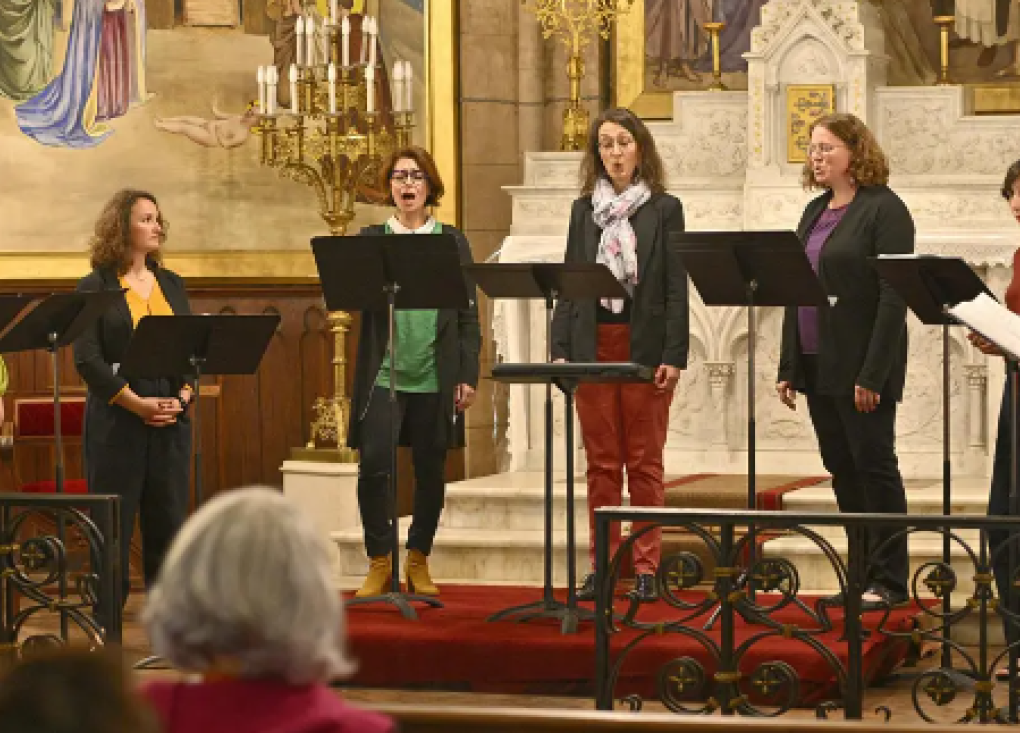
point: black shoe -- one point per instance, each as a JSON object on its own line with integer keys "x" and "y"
{"x": 644, "y": 588}
{"x": 587, "y": 590}
{"x": 886, "y": 598}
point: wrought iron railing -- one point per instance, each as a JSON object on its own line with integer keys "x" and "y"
{"x": 60, "y": 574}
{"x": 762, "y": 590}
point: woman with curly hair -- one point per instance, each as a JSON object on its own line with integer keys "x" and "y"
{"x": 850, "y": 358}
{"x": 137, "y": 438}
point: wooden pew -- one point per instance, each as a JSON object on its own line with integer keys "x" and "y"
{"x": 435, "y": 719}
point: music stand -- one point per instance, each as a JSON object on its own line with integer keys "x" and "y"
{"x": 550, "y": 282}
{"x": 750, "y": 269}
{"x": 386, "y": 272}
{"x": 54, "y": 322}
{"x": 191, "y": 346}
{"x": 930, "y": 285}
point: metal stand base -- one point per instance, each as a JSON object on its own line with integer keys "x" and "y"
{"x": 402, "y": 602}
{"x": 568, "y": 616}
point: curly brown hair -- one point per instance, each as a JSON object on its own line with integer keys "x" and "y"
{"x": 868, "y": 164}
{"x": 427, "y": 164}
{"x": 650, "y": 168}
{"x": 110, "y": 245}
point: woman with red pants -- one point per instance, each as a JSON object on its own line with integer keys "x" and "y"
{"x": 624, "y": 219}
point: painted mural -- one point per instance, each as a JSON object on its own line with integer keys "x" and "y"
{"x": 984, "y": 42}
{"x": 100, "y": 94}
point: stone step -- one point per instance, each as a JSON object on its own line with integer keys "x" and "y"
{"x": 511, "y": 556}
{"x": 511, "y": 501}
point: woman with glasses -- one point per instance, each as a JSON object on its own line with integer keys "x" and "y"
{"x": 850, "y": 358}
{"x": 624, "y": 219}
{"x": 436, "y": 375}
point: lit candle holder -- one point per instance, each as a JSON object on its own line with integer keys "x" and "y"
{"x": 408, "y": 88}
{"x": 293, "y": 89}
{"x": 345, "y": 42}
{"x": 260, "y": 76}
{"x": 272, "y": 77}
{"x": 331, "y": 77}
{"x": 373, "y": 31}
{"x": 332, "y": 12}
{"x": 299, "y": 32}
{"x": 362, "y": 55}
{"x": 370, "y": 89}
{"x": 398, "y": 85}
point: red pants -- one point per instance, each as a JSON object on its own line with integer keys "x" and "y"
{"x": 624, "y": 425}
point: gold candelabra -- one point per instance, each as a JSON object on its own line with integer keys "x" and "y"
{"x": 717, "y": 84}
{"x": 334, "y": 138}
{"x": 574, "y": 22}
{"x": 944, "y": 22}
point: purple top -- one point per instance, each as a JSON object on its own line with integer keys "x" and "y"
{"x": 807, "y": 316}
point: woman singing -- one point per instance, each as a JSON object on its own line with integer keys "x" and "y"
{"x": 436, "y": 376}
{"x": 850, "y": 359}
{"x": 136, "y": 436}
{"x": 624, "y": 219}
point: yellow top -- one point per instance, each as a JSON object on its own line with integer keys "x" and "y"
{"x": 139, "y": 307}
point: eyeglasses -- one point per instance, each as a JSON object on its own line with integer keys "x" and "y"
{"x": 822, "y": 149}
{"x": 607, "y": 144}
{"x": 415, "y": 176}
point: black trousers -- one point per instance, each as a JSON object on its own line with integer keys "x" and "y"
{"x": 859, "y": 450}
{"x": 998, "y": 506}
{"x": 417, "y": 416}
{"x": 150, "y": 469}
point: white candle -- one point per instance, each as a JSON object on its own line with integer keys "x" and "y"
{"x": 260, "y": 76}
{"x": 398, "y": 85}
{"x": 331, "y": 76}
{"x": 364, "y": 39}
{"x": 310, "y": 40}
{"x": 271, "y": 79}
{"x": 370, "y": 88}
{"x": 345, "y": 42}
{"x": 408, "y": 88}
{"x": 373, "y": 34}
{"x": 299, "y": 33}
{"x": 293, "y": 89}
{"x": 332, "y": 12}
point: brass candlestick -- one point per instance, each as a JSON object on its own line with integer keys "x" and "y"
{"x": 944, "y": 22}
{"x": 333, "y": 143}
{"x": 574, "y": 22}
{"x": 717, "y": 85}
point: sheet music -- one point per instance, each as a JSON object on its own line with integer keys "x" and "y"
{"x": 993, "y": 321}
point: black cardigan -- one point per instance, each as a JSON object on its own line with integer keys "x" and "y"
{"x": 660, "y": 332}
{"x": 862, "y": 336}
{"x": 458, "y": 345}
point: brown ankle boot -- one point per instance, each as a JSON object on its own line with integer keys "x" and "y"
{"x": 416, "y": 568}
{"x": 380, "y": 573}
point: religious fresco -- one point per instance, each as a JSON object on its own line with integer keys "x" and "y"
{"x": 678, "y": 55}
{"x": 96, "y": 95}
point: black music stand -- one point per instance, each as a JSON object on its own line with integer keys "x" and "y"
{"x": 384, "y": 272}
{"x": 550, "y": 282}
{"x": 931, "y": 285}
{"x": 750, "y": 269}
{"x": 54, "y": 322}
{"x": 191, "y": 346}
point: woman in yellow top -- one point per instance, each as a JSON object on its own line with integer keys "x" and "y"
{"x": 137, "y": 437}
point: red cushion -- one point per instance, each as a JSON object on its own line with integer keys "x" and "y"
{"x": 71, "y": 486}
{"x": 35, "y": 418}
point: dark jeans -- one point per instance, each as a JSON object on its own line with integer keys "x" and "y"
{"x": 859, "y": 450}
{"x": 998, "y": 506}
{"x": 417, "y": 417}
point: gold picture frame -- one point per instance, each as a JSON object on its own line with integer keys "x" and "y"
{"x": 805, "y": 103}
{"x": 629, "y": 69}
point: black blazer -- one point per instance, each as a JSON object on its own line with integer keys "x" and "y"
{"x": 862, "y": 337}
{"x": 458, "y": 345}
{"x": 659, "y": 320}
{"x": 105, "y": 342}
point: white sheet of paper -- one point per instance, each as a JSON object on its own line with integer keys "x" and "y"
{"x": 992, "y": 320}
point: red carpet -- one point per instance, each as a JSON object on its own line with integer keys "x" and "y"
{"x": 454, "y": 648}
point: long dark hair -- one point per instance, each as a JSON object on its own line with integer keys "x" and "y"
{"x": 650, "y": 168}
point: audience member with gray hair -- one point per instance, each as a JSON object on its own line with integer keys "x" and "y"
{"x": 245, "y": 598}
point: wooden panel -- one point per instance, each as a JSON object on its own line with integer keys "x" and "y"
{"x": 211, "y": 13}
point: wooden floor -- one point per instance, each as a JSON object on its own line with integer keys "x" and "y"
{"x": 894, "y": 694}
